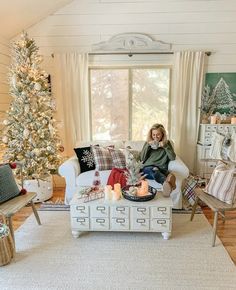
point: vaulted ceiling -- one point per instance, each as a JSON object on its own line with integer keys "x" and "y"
{"x": 17, "y": 15}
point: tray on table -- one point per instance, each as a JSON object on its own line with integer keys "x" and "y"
{"x": 152, "y": 193}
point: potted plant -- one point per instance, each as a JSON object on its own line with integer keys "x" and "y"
{"x": 29, "y": 135}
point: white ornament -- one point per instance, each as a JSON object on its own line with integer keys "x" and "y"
{"x": 5, "y": 122}
{"x": 26, "y": 133}
{"x": 14, "y": 81}
{"x": 37, "y": 86}
{"x": 26, "y": 108}
{"x": 5, "y": 139}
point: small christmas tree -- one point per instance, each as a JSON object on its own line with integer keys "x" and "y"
{"x": 29, "y": 133}
{"x": 133, "y": 174}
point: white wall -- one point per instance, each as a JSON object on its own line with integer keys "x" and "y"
{"x": 4, "y": 96}
{"x": 186, "y": 24}
{"x": 4, "y": 64}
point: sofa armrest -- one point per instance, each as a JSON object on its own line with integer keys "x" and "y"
{"x": 70, "y": 169}
{"x": 178, "y": 167}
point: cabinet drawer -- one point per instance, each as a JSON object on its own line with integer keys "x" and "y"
{"x": 140, "y": 224}
{"x": 119, "y": 211}
{"x": 80, "y": 223}
{"x": 81, "y": 210}
{"x": 140, "y": 212}
{"x": 160, "y": 225}
{"x": 99, "y": 211}
{"x": 119, "y": 224}
{"x": 99, "y": 224}
{"x": 160, "y": 211}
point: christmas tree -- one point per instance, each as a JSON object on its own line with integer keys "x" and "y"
{"x": 133, "y": 175}
{"x": 222, "y": 95}
{"x": 29, "y": 132}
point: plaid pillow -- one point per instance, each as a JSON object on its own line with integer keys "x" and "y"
{"x": 118, "y": 158}
{"x": 102, "y": 157}
{"x": 188, "y": 191}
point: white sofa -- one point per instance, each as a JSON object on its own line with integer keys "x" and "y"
{"x": 75, "y": 180}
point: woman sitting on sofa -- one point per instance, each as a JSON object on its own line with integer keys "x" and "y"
{"x": 156, "y": 154}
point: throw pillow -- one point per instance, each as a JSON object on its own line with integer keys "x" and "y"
{"x": 222, "y": 183}
{"x": 8, "y": 186}
{"x": 102, "y": 157}
{"x": 118, "y": 158}
{"x": 86, "y": 158}
{"x": 132, "y": 154}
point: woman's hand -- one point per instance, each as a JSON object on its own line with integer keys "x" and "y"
{"x": 161, "y": 144}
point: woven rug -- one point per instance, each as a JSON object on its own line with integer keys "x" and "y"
{"x": 48, "y": 257}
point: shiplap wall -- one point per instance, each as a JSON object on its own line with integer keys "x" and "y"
{"x": 4, "y": 63}
{"x": 186, "y": 24}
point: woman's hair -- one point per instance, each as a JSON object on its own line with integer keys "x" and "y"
{"x": 157, "y": 127}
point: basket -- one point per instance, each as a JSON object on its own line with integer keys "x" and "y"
{"x": 7, "y": 248}
{"x": 151, "y": 190}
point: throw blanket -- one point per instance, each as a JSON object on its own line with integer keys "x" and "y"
{"x": 117, "y": 176}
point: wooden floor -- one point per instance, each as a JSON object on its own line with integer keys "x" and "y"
{"x": 226, "y": 232}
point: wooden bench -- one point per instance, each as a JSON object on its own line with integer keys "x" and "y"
{"x": 217, "y": 206}
{"x": 10, "y": 207}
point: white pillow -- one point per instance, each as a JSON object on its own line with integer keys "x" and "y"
{"x": 222, "y": 184}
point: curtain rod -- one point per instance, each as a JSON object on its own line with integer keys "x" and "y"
{"x": 130, "y": 54}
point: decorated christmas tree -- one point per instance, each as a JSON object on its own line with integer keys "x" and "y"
{"x": 133, "y": 175}
{"x": 29, "y": 132}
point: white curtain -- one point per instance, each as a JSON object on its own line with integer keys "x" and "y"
{"x": 71, "y": 91}
{"x": 185, "y": 114}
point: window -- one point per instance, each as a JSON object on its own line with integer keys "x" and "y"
{"x": 125, "y": 102}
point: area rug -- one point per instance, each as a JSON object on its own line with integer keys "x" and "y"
{"x": 48, "y": 257}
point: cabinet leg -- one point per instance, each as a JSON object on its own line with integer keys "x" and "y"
{"x": 166, "y": 235}
{"x": 75, "y": 233}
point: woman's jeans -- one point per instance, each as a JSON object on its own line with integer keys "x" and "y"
{"x": 153, "y": 172}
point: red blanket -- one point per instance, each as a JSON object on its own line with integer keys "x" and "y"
{"x": 117, "y": 176}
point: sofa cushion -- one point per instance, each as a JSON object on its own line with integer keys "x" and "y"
{"x": 86, "y": 178}
{"x": 102, "y": 157}
{"x": 137, "y": 145}
{"x": 118, "y": 158}
{"x": 86, "y": 158}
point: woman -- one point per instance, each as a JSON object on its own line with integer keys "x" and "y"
{"x": 156, "y": 154}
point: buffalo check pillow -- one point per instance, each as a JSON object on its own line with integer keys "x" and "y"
{"x": 222, "y": 184}
{"x": 102, "y": 157}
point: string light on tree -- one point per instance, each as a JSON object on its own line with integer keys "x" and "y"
{"x": 29, "y": 132}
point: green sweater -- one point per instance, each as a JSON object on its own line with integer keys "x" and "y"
{"x": 159, "y": 157}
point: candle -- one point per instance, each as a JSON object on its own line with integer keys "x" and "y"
{"x": 143, "y": 190}
{"x": 213, "y": 119}
{"x": 233, "y": 120}
{"x": 107, "y": 192}
{"x": 117, "y": 191}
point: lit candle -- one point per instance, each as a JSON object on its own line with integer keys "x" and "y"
{"x": 117, "y": 191}
{"x": 233, "y": 120}
{"x": 107, "y": 192}
{"x": 143, "y": 190}
{"x": 213, "y": 119}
